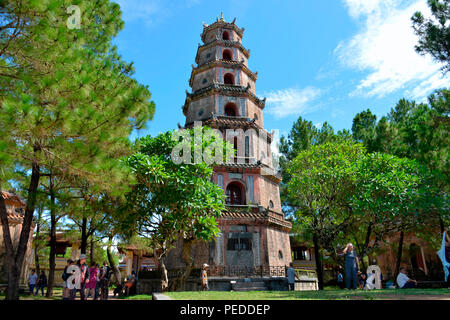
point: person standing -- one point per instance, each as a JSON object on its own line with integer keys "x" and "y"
{"x": 104, "y": 281}
{"x": 84, "y": 274}
{"x": 447, "y": 256}
{"x": 351, "y": 267}
{"x": 205, "y": 277}
{"x": 290, "y": 273}
{"x": 42, "y": 283}
{"x": 73, "y": 279}
{"x": 65, "y": 276}
{"x": 92, "y": 283}
{"x": 97, "y": 286}
{"x": 340, "y": 279}
{"x": 32, "y": 279}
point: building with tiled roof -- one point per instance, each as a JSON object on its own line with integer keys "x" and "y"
{"x": 15, "y": 209}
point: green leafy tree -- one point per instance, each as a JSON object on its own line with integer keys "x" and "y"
{"x": 363, "y": 129}
{"x": 434, "y": 32}
{"x": 322, "y": 178}
{"x": 302, "y": 136}
{"x": 172, "y": 201}
{"x": 391, "y": 195}
{"x": 69, "y": 102}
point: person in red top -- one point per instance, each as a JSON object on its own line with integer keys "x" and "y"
{"x": 92, "y": 284}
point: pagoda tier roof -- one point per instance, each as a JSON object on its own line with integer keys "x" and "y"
{"x": 225, "y": 43}
{"x": 255, "y": 213}
{"x": 13, "y": 197}
{"x": 228, "y": 89}
{"x": 255, "y": 166}
{"x": 222, "y": 63}
{"x": 229, "y": 122}
{"x": 221, "y": 23}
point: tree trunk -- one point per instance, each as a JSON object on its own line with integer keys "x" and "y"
{"x": 9, "y": 257}
{"x": 36, "y": 246}
{"x": 91, "y": 253}
{"x": 186, "y": 254}
{"x": 365, "y": 248}
{"x": 319, "y": 266}
{"x": 164, "y": 275}
{"x": 114, "y": 268}
{"x": 84, "y": 236}
{"x": 399, "y": 255}
{"x": 52, "y": 255}
{"x": 14, "y": 259}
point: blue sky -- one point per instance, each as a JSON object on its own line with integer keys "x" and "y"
{"x": 322, "y": 60}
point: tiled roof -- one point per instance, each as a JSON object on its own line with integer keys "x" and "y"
{"x": 12, "y": 196}
{"x": 222, "y": 24}
{"x": 14, "y": 217}
{"x": 225, "y": 43}
{"x": 229, "y": 63}
{"x": 256, "y": 213}
{"x": 223, "y": 88}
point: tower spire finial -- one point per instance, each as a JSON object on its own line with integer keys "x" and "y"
{"x": 221, "y": 17}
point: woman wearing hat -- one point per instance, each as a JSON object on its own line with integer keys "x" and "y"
{"x": 84, "y": 271}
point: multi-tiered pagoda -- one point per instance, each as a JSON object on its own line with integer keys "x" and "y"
{"x": 254, "y": 231}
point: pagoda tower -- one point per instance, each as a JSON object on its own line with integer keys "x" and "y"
{"x": 254, "y": 231}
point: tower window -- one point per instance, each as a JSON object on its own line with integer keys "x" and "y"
{"x": 205, "y": 81}
{"x": 271, "y": 204}
{"x": 231, "y": 110}
{"x": 235, "y": 194}
{"x": 228, "y": 79}
{"x": 225, "y": 35}
{"x": 280, "y": 254}
{"x": 227, "y": 55}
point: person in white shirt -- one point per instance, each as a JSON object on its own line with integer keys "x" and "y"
{"x": 403, "y": 281}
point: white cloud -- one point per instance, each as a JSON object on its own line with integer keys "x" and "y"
{"x": 145, "y": 11}
{"x": 384, "y": 50}
{"x": 292, "y": 101}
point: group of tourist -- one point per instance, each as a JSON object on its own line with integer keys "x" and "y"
{"x": 38, "y": 283}
{"x": 92, "y": 281}
{"x": 354, "y": 277}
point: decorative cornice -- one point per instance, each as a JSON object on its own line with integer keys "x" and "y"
{"x": 222, "y": 63}
{"x": 221, "y": 24}
{"x": 225, "y": 43}
{"x": 256, "y": 213}
{"x": 230, "y": 90}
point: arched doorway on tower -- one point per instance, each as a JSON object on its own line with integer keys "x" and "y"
{"x": 235, "y": 193}
{"x": 227, "y": 55}
{"x": 231, "y": 109}
{"x": 228, "y": 79}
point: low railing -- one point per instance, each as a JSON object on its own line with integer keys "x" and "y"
{"x": 221, "y": 271}
{"x": 246, "y": 271}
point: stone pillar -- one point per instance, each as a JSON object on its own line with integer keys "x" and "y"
{"x": 256, "y": 249}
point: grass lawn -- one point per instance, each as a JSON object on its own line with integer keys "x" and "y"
{"x": 313, "y": 295}
{"x": 57, "y": 295}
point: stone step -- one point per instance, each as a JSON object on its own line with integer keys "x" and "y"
{"x": 250, "y": 286}
{"x": 252, "y": 289}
